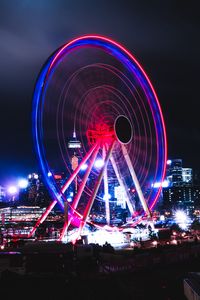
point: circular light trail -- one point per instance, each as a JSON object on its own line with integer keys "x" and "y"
{"x": 108, "y": 96}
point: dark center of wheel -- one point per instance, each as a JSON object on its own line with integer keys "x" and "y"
{"x": 123, "y": 129}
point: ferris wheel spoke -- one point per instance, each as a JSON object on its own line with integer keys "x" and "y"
{"x": 80, "y": 191}
{"x": 121, "y": 183}
{"x": 74, "y": 174}
{"x": 96, "y": 188}
{"x": 135, "y": 181}
{"x": 105, "y": 178}
{"x": 42, "y": 218}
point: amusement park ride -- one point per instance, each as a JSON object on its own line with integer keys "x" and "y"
{"x": 95, "y": 85}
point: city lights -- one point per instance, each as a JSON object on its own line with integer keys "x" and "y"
{"x": 165, "y": 183}
{"x": 105, "y": 197}
{"x": 12, "y": 190}
{"x": 84, "y": 167}
{"x": 23, "y": 183}
{"x": 182, "y": 219}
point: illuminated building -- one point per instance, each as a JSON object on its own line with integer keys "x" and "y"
{"x": 187, "y": 175}
{"x": 177, "y": 175}
{"x": 21, "y": 214}
{"x": 174, "y": 172}
{"x": 184, "y": 197}
{"x": 181, "y": 192}
{"x": 2, "y": 194}
{"x": 120, "y": 196}
{"x": 74, "y": 144}
{"x": 35, "y": 194}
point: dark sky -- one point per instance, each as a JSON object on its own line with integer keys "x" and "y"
{"x": 163, "y": 35}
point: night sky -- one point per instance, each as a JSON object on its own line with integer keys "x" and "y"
{"x": 164, "y": 36}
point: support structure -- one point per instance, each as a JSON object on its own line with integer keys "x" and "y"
{"x": 96, "y": 188}
{"x": 106, "y": 194}
{"x": 80, "y": 191}
{"x": 63, "y": 189}
{"x": 135, "y": 180}
{"x": 75, "y": 173}
{"x": 42, "y": 218}
{"x": 121, "y": 183}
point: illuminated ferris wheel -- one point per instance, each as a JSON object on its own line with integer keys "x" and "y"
{"x": 94, "y": 88}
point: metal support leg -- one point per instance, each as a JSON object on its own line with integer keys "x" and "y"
{"x": 74, "y": 174}
{"x": 121, "y": 183}
{"x": 80, "y": 191}
{"x": 42, "y": 218}
{"x": 135, "y": 180}
{"x": 96, "y": 188}
{"x": 64, "y": 188}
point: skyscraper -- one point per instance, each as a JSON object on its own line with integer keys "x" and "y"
{"x": 73, "y": 145}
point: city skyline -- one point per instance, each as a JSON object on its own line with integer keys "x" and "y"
{"x": 163, "y": 38}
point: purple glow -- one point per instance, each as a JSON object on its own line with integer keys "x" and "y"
{"x": 12, "y": 190}
{"x": 123, "y": 55}
{"x": 23, "y": 183}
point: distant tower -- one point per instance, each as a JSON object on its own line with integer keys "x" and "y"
{"x": 74, "y": 144}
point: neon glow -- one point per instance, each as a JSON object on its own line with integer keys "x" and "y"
{"x": 102, "y": 135}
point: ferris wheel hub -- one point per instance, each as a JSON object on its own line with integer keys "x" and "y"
{"x": 123, "y": 129}
{"x": 101, "y": 133}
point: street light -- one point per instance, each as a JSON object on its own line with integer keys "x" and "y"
{"x": 22, "y": 183}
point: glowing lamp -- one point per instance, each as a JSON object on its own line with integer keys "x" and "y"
{"x": 99, "y": 163}
{"x": 180, "y": 216}
{"x": 106, "y": 197}
{"x": 23, "y": 183}
{"x": 12, "y": 190}
{"x": 162, "y": 218}
{"x": 84, "y": 167}
{"x": 154, "y": 243}
{"x": 165, "y": 183}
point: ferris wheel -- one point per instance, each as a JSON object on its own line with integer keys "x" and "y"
{"x": 95, "y": 89}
